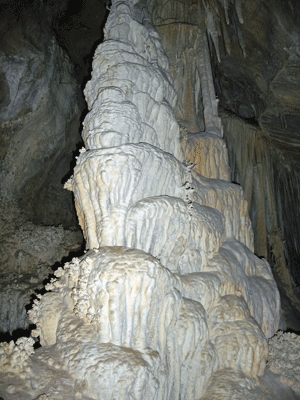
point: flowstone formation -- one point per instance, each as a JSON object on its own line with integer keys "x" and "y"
{"x": 169, "y": 302}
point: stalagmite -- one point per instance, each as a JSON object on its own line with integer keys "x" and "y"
{"x": 169, "y": 297}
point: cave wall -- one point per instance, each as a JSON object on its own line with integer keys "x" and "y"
{"x": 40, "y": 110}
{"x": 259, "y": 96}
{"x": 270, "y": 183}
{"x": 255, "y": 63}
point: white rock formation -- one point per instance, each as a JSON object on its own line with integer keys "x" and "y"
{"x": 169, "y": 300}
{"x": 209, "y": 154}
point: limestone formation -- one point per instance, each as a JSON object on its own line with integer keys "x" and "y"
{"x": 169, "y": 299}
{"x": 208, "y": 153}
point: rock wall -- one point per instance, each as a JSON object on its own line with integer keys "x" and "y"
{"x": 252, "y": 47}
{"x": 39, "y": 128}
{"x": 260, "y": 93}
{"x": 169, "y": 301}
{"x": 268, "y": 181}
{"x": 39, "y": 116}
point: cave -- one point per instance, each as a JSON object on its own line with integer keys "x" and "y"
{"x": 172, "y": 269}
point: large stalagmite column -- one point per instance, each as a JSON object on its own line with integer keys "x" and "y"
{"x": 169, "y": 292}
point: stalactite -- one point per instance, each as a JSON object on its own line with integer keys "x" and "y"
{"x": 226, "y": 36}
{"x": 225, "y": 5}
{"x": 238, "y": 9}
{"x": 210, "y": 103}
{"x": 212, "y": 31}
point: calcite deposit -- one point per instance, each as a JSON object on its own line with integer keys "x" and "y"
{"x": 169, "y": 302}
